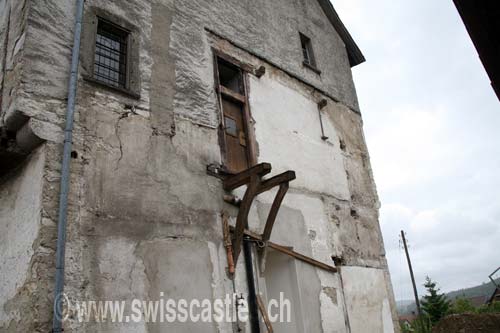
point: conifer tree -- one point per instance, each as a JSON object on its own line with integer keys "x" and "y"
{"x": 434, "y": 304}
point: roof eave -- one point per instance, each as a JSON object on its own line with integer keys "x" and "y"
{"x": 356, "y": 57}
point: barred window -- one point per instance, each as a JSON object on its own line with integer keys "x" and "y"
{"x": 110, "y": 60}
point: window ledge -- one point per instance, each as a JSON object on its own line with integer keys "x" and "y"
{"x": 127, "y": 92}
{"x": 311, "y": 67}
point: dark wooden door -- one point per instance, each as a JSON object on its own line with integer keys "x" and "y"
{"x": 235, "y": 135}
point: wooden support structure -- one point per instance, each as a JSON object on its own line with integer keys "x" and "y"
{"x": 252, "y": 177}
{"x": 242, "y": 219}
{"x": 234, "y": 181}
{"x": 268, "y": 184}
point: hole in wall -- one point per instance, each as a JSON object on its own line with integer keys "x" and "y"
{"x": 342, "y": 145}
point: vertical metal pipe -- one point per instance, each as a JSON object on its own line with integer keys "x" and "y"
{"x": 65, "y": 172}
{"x": 252, "y": 296}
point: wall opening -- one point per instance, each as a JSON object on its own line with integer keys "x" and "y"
{"x": 307, "y": 50}
{"x": 281, "y": 276}
{"x": 230, "y": 83}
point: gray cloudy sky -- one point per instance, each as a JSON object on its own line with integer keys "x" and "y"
{"x": 432, "y": 124}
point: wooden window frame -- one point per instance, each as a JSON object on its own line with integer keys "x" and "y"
{"x": 92, "y": 16}
{"x": 307, "y": 48}
{"x": 221, "y": 92}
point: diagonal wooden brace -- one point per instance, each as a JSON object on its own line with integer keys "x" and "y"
{"x": 289, "y": 251}
{"x": 242, "y": 219}
{"x": 271, "y": 218}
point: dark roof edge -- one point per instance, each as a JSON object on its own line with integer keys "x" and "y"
{"x": 356, "y": 57}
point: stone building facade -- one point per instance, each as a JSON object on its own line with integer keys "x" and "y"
{"x": 169, "y": 91}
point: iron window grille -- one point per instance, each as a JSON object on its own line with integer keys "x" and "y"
{"x": 110, "y": 59}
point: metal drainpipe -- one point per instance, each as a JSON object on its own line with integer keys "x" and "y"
{"x": 63, "y": 196}
{"x": 252, "y": 296}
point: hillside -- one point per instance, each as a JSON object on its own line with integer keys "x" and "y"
{"x": 485, "y": 290}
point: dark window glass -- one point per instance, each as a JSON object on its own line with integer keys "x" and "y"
{"x": 307, "y": 51}
{"x": 230, "y": 76}
{"x": 231, "y": 127}
{"x": 110, "y": 60}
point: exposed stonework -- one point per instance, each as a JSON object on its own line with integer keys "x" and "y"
{"x": 144, "y": 216}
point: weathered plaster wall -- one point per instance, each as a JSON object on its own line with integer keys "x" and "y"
{"x": 367, "y": 303}
{"x": 143, "y": 213}
{"x": 13, "y": 18}
{"x": 20, "y": 222}
{"x": 287, "y": 128}
{"x": 269, "y": 29}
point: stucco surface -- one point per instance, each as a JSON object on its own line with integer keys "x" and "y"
{"x": 288, "y": 131}
{"x": 20, "y": 220}
{"x": 367, "y": 303}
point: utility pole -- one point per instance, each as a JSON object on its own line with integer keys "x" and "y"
{"x": 411, "y": 273}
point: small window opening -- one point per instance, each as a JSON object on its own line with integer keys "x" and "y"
{"x": 307, "y": 50}
{"x": 231, "y": 127}
{"x": 230, "y": 76}
{"x": 110, "y": 59}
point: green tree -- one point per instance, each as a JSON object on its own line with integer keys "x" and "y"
{"x": 462, "y": 305}
{"x": 422, "y": 325}
{"x": 491, "y": 308}
{"x": 434, "y": 304}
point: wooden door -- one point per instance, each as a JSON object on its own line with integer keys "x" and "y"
{"x": 236, "y": 147}
{"x": 235, "y": 135}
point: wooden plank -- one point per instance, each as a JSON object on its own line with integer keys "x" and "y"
{"x": 276, "y": 180}
{"x": 271, "y": 218}
{"x": 231, "y": 94}
{"x": 236, "y": 154}
{"x": 242, "y": 178}
{"x": 286, "y": 250}
{"x": 302, "y": 257}
{"x": 263, "y": 312}
{"x": 251, "y": 141}
{"x": 221, "y": 131}
{"x": 238, "y": 63}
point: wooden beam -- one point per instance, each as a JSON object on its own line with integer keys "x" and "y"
{"x": 286, "y": 250}
{"x": 284, "y": 177}
{"x": 302, "y": 257}
{"x": 231, "y": 94}
{"x": 271, "y": 218}
{"x": 242, "y": 178}
{"x": 232, "y": 60}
